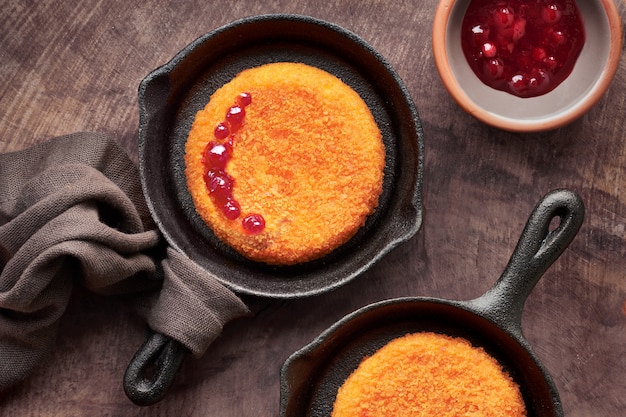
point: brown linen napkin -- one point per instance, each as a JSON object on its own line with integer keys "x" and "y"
{"x": 72, "y": 213}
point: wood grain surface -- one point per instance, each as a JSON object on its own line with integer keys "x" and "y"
{"x": 75, "y": 66}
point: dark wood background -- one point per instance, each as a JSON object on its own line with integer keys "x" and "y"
{"x": 75, "y": 66}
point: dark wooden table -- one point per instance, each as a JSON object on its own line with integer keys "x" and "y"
{"x": 75, "y": 66}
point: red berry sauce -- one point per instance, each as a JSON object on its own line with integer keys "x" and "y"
{"x": 215, "y": 158}
{"x": 253, "y": 223}
{"x": 524, "y": 47}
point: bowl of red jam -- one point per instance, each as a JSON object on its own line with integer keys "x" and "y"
{"x": 527, "y": 66}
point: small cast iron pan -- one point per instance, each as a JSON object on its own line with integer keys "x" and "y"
{"x": 311, "y": 377}
{"x": 169, "y": 99}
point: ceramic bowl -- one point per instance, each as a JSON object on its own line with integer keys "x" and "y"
{"x": 590, "y": 77}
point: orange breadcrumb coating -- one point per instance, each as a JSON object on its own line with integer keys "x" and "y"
{"x": 309, "y": 158}
{"x": 429, "y": 374}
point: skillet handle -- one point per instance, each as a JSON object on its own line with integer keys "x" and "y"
{"x": 537, "y": 249}
{"x": 153, "y": 368}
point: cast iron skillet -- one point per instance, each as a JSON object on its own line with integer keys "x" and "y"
{"x": 311, "y": 377}
{"x": 169, "y": 98}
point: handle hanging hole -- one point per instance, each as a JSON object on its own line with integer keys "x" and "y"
{"x": 554, "y": 224}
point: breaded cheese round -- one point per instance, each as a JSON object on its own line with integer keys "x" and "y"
{"x": 429, "y": 374}
{"x": 308, "y": 157}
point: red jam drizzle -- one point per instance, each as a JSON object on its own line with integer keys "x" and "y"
{"x": 523, "y": 47}
{"x": 215, "y": 158}
{"x": 253, "y": 223}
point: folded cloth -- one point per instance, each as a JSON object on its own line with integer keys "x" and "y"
{"x": 72, "y": 212}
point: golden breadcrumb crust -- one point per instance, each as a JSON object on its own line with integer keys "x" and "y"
{"x": 428, "y": 374}
{"x": 309, "y": 158}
